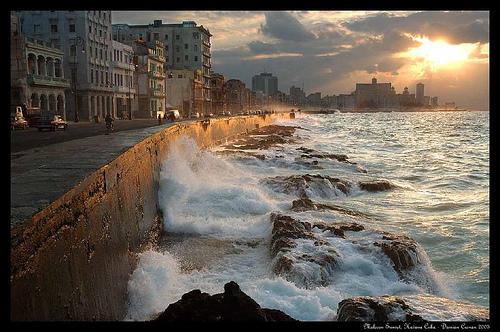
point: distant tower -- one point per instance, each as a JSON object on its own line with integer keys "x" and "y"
{"x": 420, "y": 94}
{"x": 374, "y": 80}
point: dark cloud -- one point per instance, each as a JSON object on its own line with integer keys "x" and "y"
{"x": 283, "y": 25}
{"x": 259, "y": 47}
{"x": 457, "y": 27}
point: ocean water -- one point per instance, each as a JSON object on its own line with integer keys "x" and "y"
{"x": 217, "y": 215}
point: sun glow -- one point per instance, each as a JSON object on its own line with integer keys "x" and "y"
{"x": 440, "y": 53}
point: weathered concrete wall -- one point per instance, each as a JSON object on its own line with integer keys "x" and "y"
{"x": 73, "y": 259}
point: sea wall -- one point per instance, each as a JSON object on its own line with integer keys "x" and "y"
{"x": 72, "y": 260}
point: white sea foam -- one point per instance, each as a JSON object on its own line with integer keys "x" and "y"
{"x": 224, "y": 198}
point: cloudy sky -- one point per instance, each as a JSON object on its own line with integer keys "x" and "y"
{"x": 329, "y": 51}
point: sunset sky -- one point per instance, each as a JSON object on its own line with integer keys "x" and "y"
{"x": 329, "y": 51}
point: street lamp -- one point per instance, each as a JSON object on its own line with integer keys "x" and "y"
{"x": 76, "y": 41}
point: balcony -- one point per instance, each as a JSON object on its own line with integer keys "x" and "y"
{"x": 207, "y": 43}
{"x": 157, "y": 93}
{"x": 156, "y": 74}
{"x": 157, "y": 57}
{"x": 56, "y": 82}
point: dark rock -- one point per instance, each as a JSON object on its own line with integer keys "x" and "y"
{"x": 299, "y": 183}
{"x": 364, "y": 308}
{"x": 270, "y": 136}
{"x": 232, "y": 305}
{"x": 402, "y": 250}
{"x": 379, "y": 185}
{"x": 410, "y": 308}
{"x": 305, "y": 204}
{"x": 286, "y": 231}
{"x": 338, "y": 229}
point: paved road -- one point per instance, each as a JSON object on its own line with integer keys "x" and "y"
{"x": 32, "y": 138}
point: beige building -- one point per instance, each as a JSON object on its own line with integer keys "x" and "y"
{"x": 37, "y": 76}
{"x": 183, "y": 91}
{"x": 149, "y": 61}
{"x": 122, "y": 73}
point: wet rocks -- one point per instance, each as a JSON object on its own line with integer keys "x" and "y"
{"x": 402, "y": 250}
{"x": 264, "y": 138}
{"x": 339, "y": 229}
{"x": 305, "y": 204}
{"x": 421, "y": 307}
{"x": 311, "y": 153}
{"x": 242, "y": 153}
{"x": 232, "y": 305}
{"x": 286, "y": 231}
{"x": 383, "y": 308}
{"x": 376, "y": 185}
{"x": 298, "y": 184}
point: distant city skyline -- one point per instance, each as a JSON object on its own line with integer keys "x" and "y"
{"x": 331, "y": 51}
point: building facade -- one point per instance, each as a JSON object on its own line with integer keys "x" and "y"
{"x": 217, "y": 90}
{"x": 85, "y": 39}
{"x": 235, "y": 96}
{"x": 37, "y": 76}
{"x": 297, "y": 96}
{"x": 150, "y": 79}
{"x": 434, "y": 101}
{"x": 186, "y": 46}
{"x": 420, "y": 94}
{"x": 375, "y": 95}
{"x": 266, "y": 83}
{"x": 185, "y": 91}
{"x": 123, "y": 69}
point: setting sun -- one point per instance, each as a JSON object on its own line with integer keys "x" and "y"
{"x": 440, "y": 53}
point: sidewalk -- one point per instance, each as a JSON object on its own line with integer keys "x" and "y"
{"x": 41, "y": 175}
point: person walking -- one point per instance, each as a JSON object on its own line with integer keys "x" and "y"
{"x": 159, "y": 119}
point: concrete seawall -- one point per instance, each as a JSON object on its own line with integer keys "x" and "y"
{"x": 72, "y": 259}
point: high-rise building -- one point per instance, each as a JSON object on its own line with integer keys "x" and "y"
{"x": 427, "y": 101}
{"x": 85, "y": 39}
{"x": 266, "y": 83}
{"x": 420, "y": 94}
{"x": 187, "y": 46}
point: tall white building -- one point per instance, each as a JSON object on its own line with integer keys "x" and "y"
{"x": 187, "y": 46}
{"x": 86, "y": 40}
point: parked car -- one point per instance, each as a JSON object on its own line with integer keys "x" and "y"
{"x": 195, "y": 116}
{"x": 18, "y": 122}
{"x": 57, "y": 122}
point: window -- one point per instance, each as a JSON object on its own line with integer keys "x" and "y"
{"x": 100, "y": 54}
{"x": 157, "y": 36}
{"x": 104, "y": 15}
{"x": 195, "y": 58}
{"x": 107, "y": 78}
{"x": 185, "y": 46}
{"x": 178, "y": 59}
{"x": 53, "y": 28}
{"x": 179, "y": 76}
{"x": 92, "y": 76}
{"x": 166, "y": 37}
{"x": 36, "y": 28}
{"x": 90, "y": 49}
{"x": 72, "y": 50}
{"x": 166, "y": 48}
{"x": 196, "y": 48}
{"x": 186, "y": 57}
{"x": 166, "y": 59}
{"x": 177, "y": 49}
{"x": 177, "y": 37}
{"x": 100, "y": 33}
{"x": 71, "y": 28}
{"x": 90, "y": 29}
{"x": 196, "y": 35}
